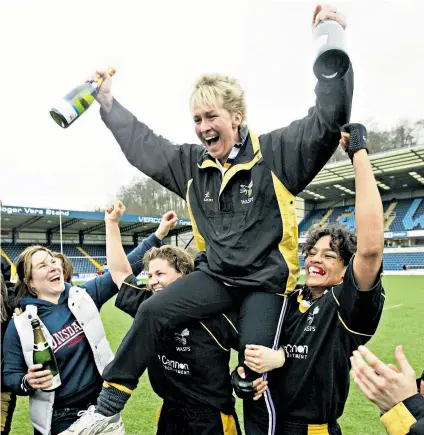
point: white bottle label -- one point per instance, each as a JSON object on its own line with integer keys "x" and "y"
{"x": 66, "y": 109}
{"x": 318, "y": 43}
{"x": 40, "y": 346}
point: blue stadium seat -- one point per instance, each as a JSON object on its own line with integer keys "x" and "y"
{"x": 393, "y": 261}
{"x": 408, "y": 213}
{"x": 80, "y": 263}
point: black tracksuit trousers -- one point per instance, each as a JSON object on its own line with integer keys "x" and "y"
{"x": 195, "y": 296}
{"x": 179, "y": 420}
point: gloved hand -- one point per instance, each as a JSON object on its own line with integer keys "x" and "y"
{"x": 354, "y": 138}
{"x": 244, "y": 389}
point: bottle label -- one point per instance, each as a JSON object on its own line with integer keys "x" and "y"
{"x": 66, "y": 109}
{"x": 39, "y": 347}
{"x": 318, "y": 43}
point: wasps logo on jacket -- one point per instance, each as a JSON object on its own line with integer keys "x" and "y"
{"x": 244, "y": 219}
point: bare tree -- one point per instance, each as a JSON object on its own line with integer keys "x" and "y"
{"x": 147, "y": 197}
{"x": 405, "y": 134}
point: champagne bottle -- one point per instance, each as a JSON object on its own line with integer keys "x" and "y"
{"x": 43, "y": 354}
{"x": 331, "y": 55}
{"x": 76, "y": 102}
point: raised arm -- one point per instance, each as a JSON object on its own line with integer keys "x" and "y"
{"x": 297, "y": 153}
{"x": 102, "y": 288}
{"x": 368, "y": 210}
{"x": 153, "y": 155}
{"x": 119, "y": 265}
{"x": 360, "y": 296}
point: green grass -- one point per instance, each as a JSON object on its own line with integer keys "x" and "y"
{"x": 399, "y": 325}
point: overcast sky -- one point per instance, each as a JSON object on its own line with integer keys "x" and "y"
{"x": 160, "y": 47}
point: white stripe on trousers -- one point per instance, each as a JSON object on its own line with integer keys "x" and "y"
{"x": 268, "y": 399}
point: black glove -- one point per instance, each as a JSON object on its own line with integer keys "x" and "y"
{"x": 357, "y": 140}
{"x": 244, "y": 389}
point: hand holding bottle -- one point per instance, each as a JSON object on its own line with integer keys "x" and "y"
{"x": 78, "y": 100}
{"x": 44, "y": 358}
{"x": 104, "y": 97}
{"x": 38, "y": 378}
{"x": 327, "y": 12}
{"x": 331, "y": 59}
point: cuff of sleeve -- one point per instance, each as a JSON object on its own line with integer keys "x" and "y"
{"x": 104, "y": 114}
{"x": 377, "y": 282}
{"x": 26, "y": 388}
{"x": 130, "y": 280}
{"x": 415, "y": 405}
{"x": 155, "y": 240}
{"x": 119, "y": 297}
{"x": 398, "y": 420}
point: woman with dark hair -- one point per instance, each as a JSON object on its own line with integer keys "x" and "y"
{"x": 70, "y": 320}
{"x": 337, "y": 309}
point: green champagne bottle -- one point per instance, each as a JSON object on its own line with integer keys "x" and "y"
{"x": 76, "y": 102}
{"x": 43, "y": 354}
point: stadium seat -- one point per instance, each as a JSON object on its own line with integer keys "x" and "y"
{"x": 405, "y": 215}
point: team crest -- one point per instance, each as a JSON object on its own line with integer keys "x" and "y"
{"x": 181, "y": 338}
{"x": 247, "y": 189}
{"x": 312, "y": 315}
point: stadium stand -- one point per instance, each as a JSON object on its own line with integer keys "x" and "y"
{"x": 396, "y": 261}
{"x": 400, "y": 215}
{"x": 82, "y": 234}
{"x": 329, "y": 198}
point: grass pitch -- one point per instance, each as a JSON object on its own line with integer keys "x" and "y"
{"x": 401, "y": 324}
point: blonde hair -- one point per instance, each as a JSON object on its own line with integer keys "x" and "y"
{"x": 177, "y": 258}
{"x": 24, "y": 269}
{"x": 215, "y": 90}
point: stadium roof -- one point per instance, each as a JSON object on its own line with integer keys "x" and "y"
{"x": 41, "y": 220}
{"x": 394, "y": 171}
